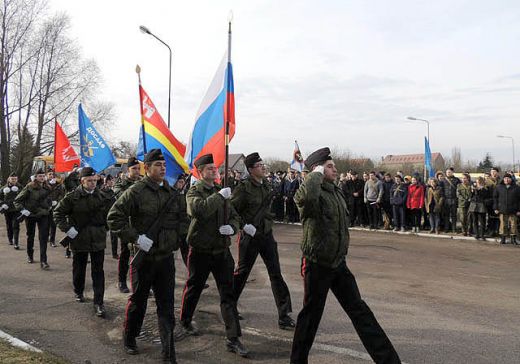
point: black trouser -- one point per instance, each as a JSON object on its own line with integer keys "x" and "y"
{"x": 266, "y": 246}
{"x": 278, "y": 208}
{"x": 113, "y": 243}
{"x": 43, "y": 233}
{"x": 359, "y": 211}
{"x": 493, "y": 222}
{"x": 221, "y": 266}
{"x": 13, "y": 226}
{"x": 79, "y": 271}
{"x": 479, "y": 223}
{"x": 398, "y": 214}
{"x": 415, "y": 215}
{"x": 292, "y": 211}
{"x": 122, "y": 264}
{"x": 450, "y": 215}
{"x": 317, "y": 282}
{"x": 160, "y": 276}
{"x": 374, "y": 214}
{"x": 184, "y": 248}
{"x": 52, "y": 229}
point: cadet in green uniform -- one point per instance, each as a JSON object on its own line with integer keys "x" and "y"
{"x": 132, "y": 175}
{"x": 57, "y": 192}
{"x": 81, "y": 214}
{"x": 34, "y": 204}
{"x": 8, "y": 193}
{"x": 325, "y": 243}
{"x": 147, "y": 216}
{"x": 209, "y": 239}
{"x": 252, "y": 201}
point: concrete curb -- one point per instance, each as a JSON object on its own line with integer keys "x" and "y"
{"x": 17, "y": 342}
{"x": 424, "y": 235}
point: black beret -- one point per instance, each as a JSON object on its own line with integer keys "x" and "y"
{"x": 154, "y": 155}
{"x": 205, "y": 159}
{"x": 353, "y": 173}
{"x": 40, "y": 171}
{"x": 132, "y": 161}
{"x": 13, "y": 174}
{"x": 87, "y": 172}
{"x": 252, "y": 159}
{"x": 507, "y": 175}
{"x": 109, "y": 178}
{"x": 320, "y": 156}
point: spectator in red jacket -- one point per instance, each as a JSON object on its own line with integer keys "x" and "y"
{"x": 415, "y": 202}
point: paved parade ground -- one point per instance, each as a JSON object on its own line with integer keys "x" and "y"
{"x": 439, "y": 300}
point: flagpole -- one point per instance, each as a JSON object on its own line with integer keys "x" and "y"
{"x": 138, "y": 71}
{"x": 228, "y": 105}
{"x": 55, "y": 135}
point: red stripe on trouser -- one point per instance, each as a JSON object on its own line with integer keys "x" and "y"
{"x": 304, "y": 265}
{"x": 187, "y": 279}
{"x": 126, "y": 315}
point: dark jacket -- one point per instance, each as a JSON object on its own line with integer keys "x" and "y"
{"x": 8, "y": 194}
{"x": 35, "y": 198}
{"x": 71, "y": 182}
{"x": 205, "y": 206}
{"x": 248, "y": 198}
{"x": 325, "y": 221}
{"x": 479, "y": 200}
{"x": 449, "y": 187}
{"x": 387, "y": 187}
{"x": 57, "y": 192}
{"x": 122, "y": 185}
{"x": 506, "y": 200}
{"x": 139, "y": 207}
{"x": 352, "y": 186}
{"x": 398, "y": 194}
{"x": 87, "y": 213}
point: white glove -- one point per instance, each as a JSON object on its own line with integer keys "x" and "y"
{"x": 6, "y": 190}
{"x": 319, "y": 169}
{"x": 4, "y": 207}
{"x": 249, "y": 229}
{"x": 144, "y": 243}
{"x": 25, "y": 212}
{"x": 54, "y": 203}
{"x": 225, "y": 192}
{"x": 72, "y": 233}
{"x": 14, "y": 188}
{"x": 226, "y": 230}
{"x": 52, "y": 181}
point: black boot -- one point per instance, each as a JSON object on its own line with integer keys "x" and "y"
{"x": 513, "y": 240}
{"x": 130, "y": 345}
{"x": 235, "y": 346}
{"x": 123, "y": 288}
{"x": 503, "y": 240}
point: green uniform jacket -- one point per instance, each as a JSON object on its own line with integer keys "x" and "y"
{"x": 184, "y": 219}
{"x": 325, "y": 221}
{"x": 57, "y": 192}
{"x": 122, "y": 185}
{"x": 206, "y": 209}
{"x": 35, "y": 198}
{"x": 86, "y": 212}
{"x": 464, "y": 195}
{"x": 139, "y": 207}
{"x": 7, "y": 197}
{"x": 248, "y": 198}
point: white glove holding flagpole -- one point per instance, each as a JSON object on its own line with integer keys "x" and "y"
{"x": 226, "y": 230}
{"x": 249, "y": 229}
{"x": 72, "y": 232}
{"x": 25, "y": 212}
{"x": 225, "y": 192}
{"x": 144, "y": 243}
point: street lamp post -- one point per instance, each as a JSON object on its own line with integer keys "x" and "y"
{"x": 428, "y": 128}
{"x": 512, "y": 144}
{"x": 145, "y": 30}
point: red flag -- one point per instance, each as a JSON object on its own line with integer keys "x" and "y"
{"x": 64, "y": 155}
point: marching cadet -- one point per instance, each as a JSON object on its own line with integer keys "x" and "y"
{"x": 57, "y": 192}
{"x": 8, "y": 193}
{"x": 209, "y": 240}
{"x": 130, "y": 177}
{"x": 81, "y": 215}
{"x": 108, "y": 188}
{"x": 147, "y": 215}
{"x": 324, "y": 246}
{"x": 252, "y": 201}
{"x": 180, "y": 186}
{"x": 34, "y": 205}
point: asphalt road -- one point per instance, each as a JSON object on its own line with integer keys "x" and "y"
{"x": 439, "y": 300}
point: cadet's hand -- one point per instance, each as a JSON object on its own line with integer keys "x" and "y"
{"x": 225, "y": 192}
{"x": 319, "y": 169}
{"x": 72, "y": 233}
{"x": 25, "y": 212}
{"x": 14, "y": 188}
{"x": 226, "y": 230}
{"x": 54, "y": 203}
{"x": 4, "y": 207}
{"x": 496, "y": 212}
{"x": 249, "y": 229}
{"x": 6, "y": 190}
{"x": 144, "y": 243}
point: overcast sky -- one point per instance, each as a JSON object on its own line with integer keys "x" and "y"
{"x": 339, "y": 73}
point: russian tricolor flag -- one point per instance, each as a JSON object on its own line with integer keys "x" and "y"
{"x": 208, "y": 135}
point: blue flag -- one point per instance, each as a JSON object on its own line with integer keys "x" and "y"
{"x": 94, "y": 152}
{"x": 428, "y": 158}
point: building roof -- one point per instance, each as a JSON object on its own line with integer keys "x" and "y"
{"x": 409, "y": 158}
{"x": 234, "y": 159}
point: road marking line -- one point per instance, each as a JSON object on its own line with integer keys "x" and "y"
{"x": 17, "y": 342}
{"x": 323, "y": 347}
